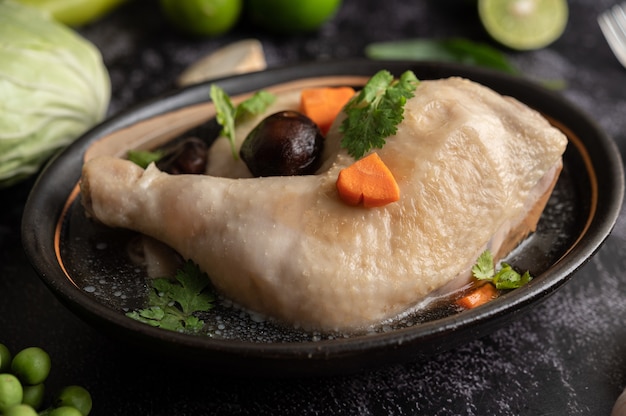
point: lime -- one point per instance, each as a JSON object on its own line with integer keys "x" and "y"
{"x": 291, "y": 16}
{"x": 202, "y": 17}
{"x": 524, "y": 24}
{"x": 75, "y": 13}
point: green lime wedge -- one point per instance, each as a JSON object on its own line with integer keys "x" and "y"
{"x": 524, "y": 24}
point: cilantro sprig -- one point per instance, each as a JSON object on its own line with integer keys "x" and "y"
{"x": 228, "y": 115}
{"x": 144, "y": 157}
{"x": 505, "y": 278}
{"x": 173, "y": 303}
{"x": 374, "y": 113}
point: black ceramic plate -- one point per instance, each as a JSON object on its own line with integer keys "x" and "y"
{"x": 86, "y": 267}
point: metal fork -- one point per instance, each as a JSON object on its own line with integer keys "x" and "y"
{"x": 613, "y": 25}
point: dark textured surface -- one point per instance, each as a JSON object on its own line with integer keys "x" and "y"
{"x": 565, "y": 357}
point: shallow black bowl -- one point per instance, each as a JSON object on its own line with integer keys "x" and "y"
{"x": 590, "y": 188}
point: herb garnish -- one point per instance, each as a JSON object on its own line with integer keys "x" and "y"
{"x": 172, "y": 304}
{"x": 254, "y": 105}
{"x": 374, "y": 113}
{"x": 144, "y": 157}
{"x": 228, "y": 115}
{"x": 448, "y": 50}
{"x": 505, "y": 278}
{"x": 460, "y": 50}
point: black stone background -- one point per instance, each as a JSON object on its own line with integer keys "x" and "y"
{"x": 567, "y": 356}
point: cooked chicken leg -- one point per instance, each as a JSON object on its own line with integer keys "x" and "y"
{"x": 474, "y": 169}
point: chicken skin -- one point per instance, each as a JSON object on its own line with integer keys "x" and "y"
{"x": 474, "y": 169}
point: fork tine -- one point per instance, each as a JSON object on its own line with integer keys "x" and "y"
{"x": 619, "y": 13}
{"x": 613, "y": 26}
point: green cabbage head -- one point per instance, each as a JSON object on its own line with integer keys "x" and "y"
{"x": 53, "y": 87}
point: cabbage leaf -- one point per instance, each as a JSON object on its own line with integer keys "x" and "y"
{"x": 53, "y": 87}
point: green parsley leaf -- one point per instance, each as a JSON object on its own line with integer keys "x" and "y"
{"x": 189, "y": 292}
{"x": 374, "y": 113}
{"x": 172, "y": 303}
{"x": 505, "y": 278}
{"x": 254, "y": 105}
{"x": 229, "y": 115}
{"x": 225, "y": 115}
{"x": 144, "y": 157}
{"x": 483, "y": 269}
{"x": 150, "y": 316}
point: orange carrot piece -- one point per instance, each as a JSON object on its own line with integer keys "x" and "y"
{"x": 479, "y": 296}
{"x": 322, "y": 105}
{"x": 368, "y": 181}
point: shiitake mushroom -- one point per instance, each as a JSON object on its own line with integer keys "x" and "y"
{"x": 283, "y": 144}
{"x": 186, "y": 157}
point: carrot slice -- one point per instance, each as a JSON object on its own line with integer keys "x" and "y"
{"x": 479, "y": 296}
{"x": 368, "y": 181}
{"x": 322, "y": 105}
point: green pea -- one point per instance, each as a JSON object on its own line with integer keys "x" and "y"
{"x": 20, "y": 410}
{"x": 64, "y": 411}
{"x": 5, "y": 359}
{"x": 31, "y": 365}
{"x": 33, "y": 395}
{"x": 74, "y": 396}
{"x": 11, "y": 391}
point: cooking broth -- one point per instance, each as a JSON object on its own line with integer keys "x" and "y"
{"x": 97, "y": 259}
